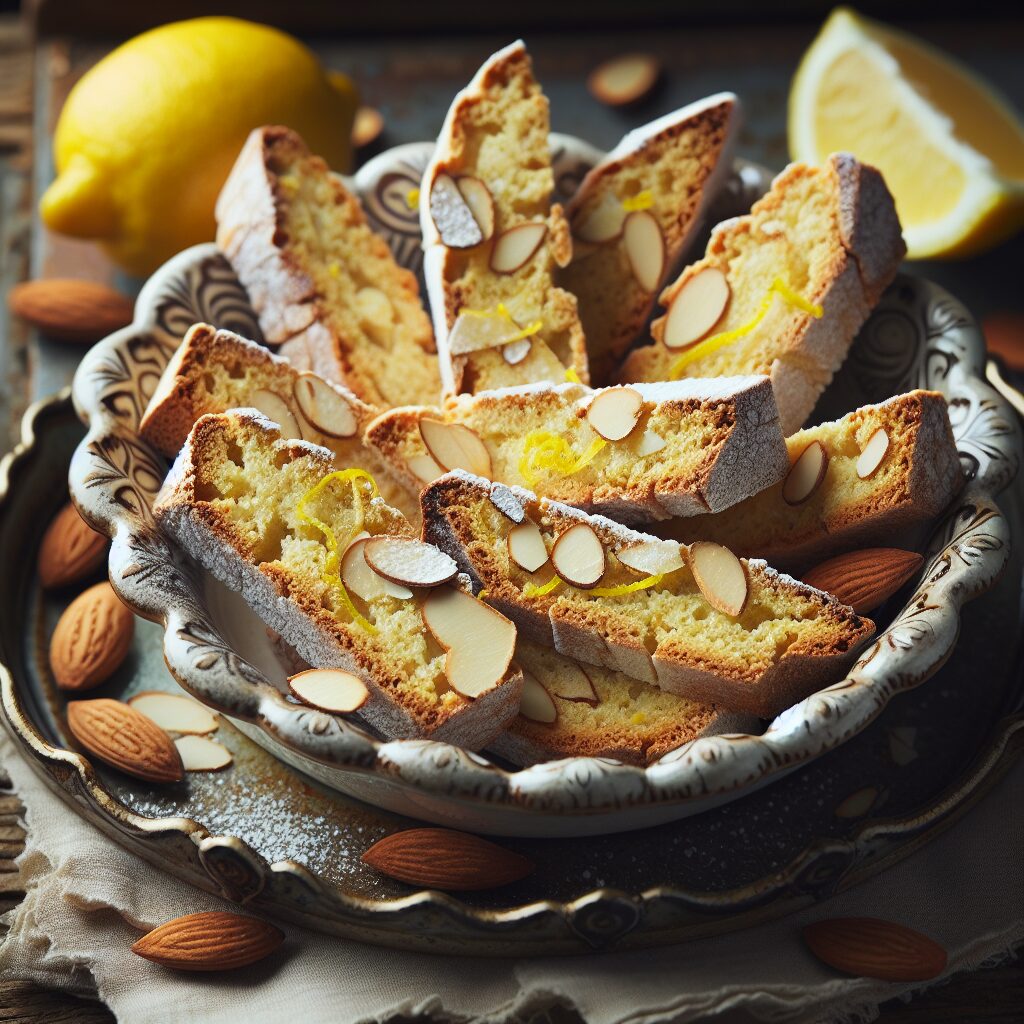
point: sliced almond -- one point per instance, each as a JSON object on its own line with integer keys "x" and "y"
{"x": 366, "y": 127}
{"x": 472, "y": 332}
{"x": 452, "y": 215}
{"x": 624, "y": 80}
{"x": 603, "y": 223}
{"x": 455, "y": 446}
{"x": 645, "y": 248}
{"x": 578, "y": 556}
{"x": 650, "y": 442}
{"x": 874, "y": 452}
{"x": 805, "y": 475}
{"x": 275, "y": 408}
{"x": 652, "y": 557}
{"x": 697, "y": 307}
{"x": 515, "y": 352}
{"x": 480, "y": 202}
{"x": 199, "y": 754}
{"x": 366, "y": 584}
{"x": 408, "y": 562}
{"x": 572, "y": 683}
{"x": 516, "y": 247}
{"x": 478, "y": 640}
{"x": 720, "y": 576}
{"x": 526, "y": 546}
{"x": 174, "y": 712}
{"x": 329, "y": 689}
{"x": 615, "y": 412}
{"x": 424, "y": 468}
{"x": 536, "y": 703}
{"x": 324, "y": 409}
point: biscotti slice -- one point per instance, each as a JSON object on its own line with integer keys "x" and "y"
{"x": 573, "y": 710}
{"x": 639, "y": 453}
{"x": 634, "y": 215}
{"x": 784, "y": 289}
{"x": 325, "y": 287}
{"x": 875, "y": 476}
{"x": 696, "y": 620}
{"x": 339, "y": 574}
{"x": 214, "y": 371}
{"x": 492, "y": 238}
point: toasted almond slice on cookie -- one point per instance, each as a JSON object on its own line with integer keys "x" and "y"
{"x": 408, "y": 562}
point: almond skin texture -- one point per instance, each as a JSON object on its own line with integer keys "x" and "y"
{"x": 91, "y": 639}
{"x": 211, "y": 941}
{"x": 126, "y": 739}
{"x": 440, "y": 858}
{"x": 865, "y": 579}
{"x": 869, "y": 947}
{"x": 80, "y": 312}
{"x": 71, "y": 550}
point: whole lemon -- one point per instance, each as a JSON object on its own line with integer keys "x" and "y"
{"x": 147, "y": 137}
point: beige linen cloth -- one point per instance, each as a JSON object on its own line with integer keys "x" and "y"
{"x": 87, "y": 899}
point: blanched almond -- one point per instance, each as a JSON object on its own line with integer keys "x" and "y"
{"x": 455, "y": 446}
{"x": 474, "y": 331}
{"x": 329, "y": 689}
{"x": 615, "y": 412}
{"x": 174, "y": 712}
{"x": 424, "y": 468}
{"x": 526, "y": 546}
{"x": 275, "y": 408}
{"x": 697, "y": 307}
{"x": 408, "y": 562}
{"x": 367, "y": 127}
{"x": 479, "y": 641}
{"x": 603, "y": 223}
{"x": 624, "y": 80}
{"x": 572, "y": 683}
{"x": 516, "y": 351}
{"x": 358, "y": 577}
{"x": 720, "y": 576}
{"x": 536, "y": 703}
{"x": 873, "y": 454}
{"x": 806, "y": 474}
{"x": 645, "y": 248}
{"x": 201, "y": 754}
{"x": 516, "y": 247}
{"x": 376, "y": 314}
{"x": 652, "y": 557}
{"x": 578, "y": 556}
{"x": 650, "y": 442}
{"x": 324, "y": 409}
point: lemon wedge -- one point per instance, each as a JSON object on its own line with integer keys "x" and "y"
{"x": 950, "y": 148}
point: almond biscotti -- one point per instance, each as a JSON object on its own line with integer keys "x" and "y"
{"x": 214, "y": 371}
{"x": 639, "y": 453}
{"x": 634, "y": 215}
{"x": 492, "y": 238}
{"x": 696, "y": 620}
{"x": 325, "y": 287}
{"x": 783, "y": 290}
{"x": 876, "y": 476}
{"x": 339, "y": 574}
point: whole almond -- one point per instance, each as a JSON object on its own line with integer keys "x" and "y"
{"x": 91, "y": 639}
{"x": 212, "y": 941}
{"x": 125, "y": 738}
{"x": 70, "y": 551}
{"x": 439, "y": 858}
{"x": 864, "y": 579}
{"x": 872, "y": 948}
{"x": 70, "y": 310}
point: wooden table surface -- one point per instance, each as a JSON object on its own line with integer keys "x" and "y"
{"x": 411, "y": 81}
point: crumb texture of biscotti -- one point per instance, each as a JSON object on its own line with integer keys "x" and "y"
{"x": 787, "y": 641}
{"x": 496, "y": 131}
{"x": 671, "y": 169}
{"x": 325, "y": 287}
{"x": 247, "y": 505}
{"x": 831, "y": 238}
{"x": 215, "y": 370}
{"x": 915, "y": 481}
{"x": 695, "y": 445}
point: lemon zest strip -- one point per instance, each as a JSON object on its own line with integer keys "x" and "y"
{"x": 532, "y": 590}
{"x": 572, "y": 376}
{"x": 330, "y": 573}
{"x": 641, "y": 201}
{"x": 627, "y": 588}
{"x": 544, "y": 450}
{"x": 717, "y": 341}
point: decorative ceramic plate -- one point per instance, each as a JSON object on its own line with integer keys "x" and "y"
{"x": 919, "y": 336}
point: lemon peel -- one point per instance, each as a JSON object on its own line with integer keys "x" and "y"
{"x": 330, "y": 573}
{"x": 572, "y": 376}
{"x": 533, "y": 590}
{"x": 641, "y": 201}
{"x": 627, "y": 588}
{"x": 412, "y": 199}
{"x": 720, "y": 340}
{"x": 544, "y": 450}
